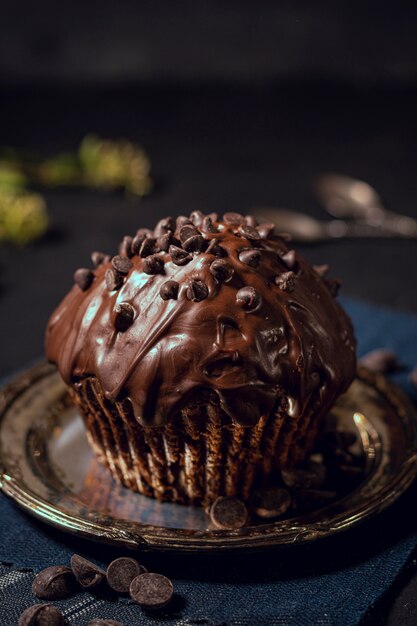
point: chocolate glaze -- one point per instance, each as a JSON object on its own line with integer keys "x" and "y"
{"x": 293, "y": 346}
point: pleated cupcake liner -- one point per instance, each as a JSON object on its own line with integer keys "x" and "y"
{"x": 199, "y": 455}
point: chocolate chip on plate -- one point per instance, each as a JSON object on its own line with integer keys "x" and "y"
{"x": 113, "y": 279}
{"x": 98, "y": 621}
{"x": 54, "y": 582}
{"x": 41, "y": 615}
{"x": 228, "y": 512}
{"x": 83, "y": 277}
{"x": 122, "y": 571}
{"x": 380, "y": 361}
{"x": 151, "y": 591}
{"x": 310, "y": 477}
{"x": 121, "y": 264}
{"x": 271, "y": 502}
{"x": 87, "y": 573}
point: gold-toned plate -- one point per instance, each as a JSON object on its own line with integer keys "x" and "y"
{"x": 48, "y": 468}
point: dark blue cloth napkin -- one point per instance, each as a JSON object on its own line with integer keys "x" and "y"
{"x": 332, "y": 582}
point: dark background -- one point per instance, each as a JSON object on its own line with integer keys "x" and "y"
{"x": 237, "y": 103}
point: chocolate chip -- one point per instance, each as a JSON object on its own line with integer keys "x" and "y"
{"x": 228, "y": 512}
{"x": 121, "y": 264}
{"x": 122, "y": 571}
{"x": 87, "y": 573}
{"x": 99, "y": 621}
{"x": 147, "y": 247}
{"x": 412, "y": 377}
{"x": 249, "y": 232}
{"x": 153, "y": 264}
{"x": 197, "y": 290}
{"x": 164, "y": 241}
{"x": 54, "y": 583}
{"x": 179, "y": 256}
{"x": 181, "y": 220}
{"x": 285, "y": 236}
{"x": 139, "y": 238}
{"x": 124, "y": 316}
{"x": 41, "y": 615}
{"x": 151, "y": 591}
{"x": 125, "y": 248}
{"x": 215, "y": 249}
{"x": 266, "y": 230}
{"x": 251, "y": 220}
{"x": 197, "y": 218}
{"x": 169, "y": 290}
{"x": 83, "y": 278}
{"x": 233, "y": 218}
{"x": 380, "y": 361}
{"x": 98, "y": 258}
{"x": 289, "y": 259}
{"x": 196, "y": 243}
{"x": 286, "y": 281}
{"x": 333, "y": 285}
{"x": 187, "y": 231}
{"x": 164, "y": 225}
{"x": 311, "y": 477}
{"x": 248, "y": 298}
{"x": 312, "y": 499}
{"x": 213, "y": 216}
{"x": 250, "y": 257}
{"x": 271, "y": 502}
{"x": 208, "y": 227}
{"x": 114, "y": 280}
{"x": 221, "y": 270}
{"x": 321, "y": 270}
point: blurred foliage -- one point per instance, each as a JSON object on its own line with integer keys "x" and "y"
{"x": 101, "y": 164}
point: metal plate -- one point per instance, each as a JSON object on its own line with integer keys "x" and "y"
{"x": 48, "y": 468}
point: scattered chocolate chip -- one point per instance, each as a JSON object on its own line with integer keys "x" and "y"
{"x": 196, "y": 243}
{"x": 197, "y": 290}
{"x": 214, "y": 248}
{"x": 87, "y": 573}
{"x": 228, "y": 512}
{"x": 98, "y": 258}
{"x": 148, "y": 247}
{"x": 179, "y": 256}
{"x": 321, "y": 270}
{"x": 169, "y": 290}
{"x": 164, "y": 225}
{"x": 54, "y": 583}
{"x": 97, "y": 621}
{"x": 83, "y": 278}
{"x": 213, "y": 216}
{"x": 248, "y": 298}
{"x": 271, "y": 502}
{"x": 266, "y": 230}
{"x": 164, "y": 241}
{"x": 181, "y": 221}
{"x": 333, "y": 285}
{"x": 139, "y": 238}
{"x": 233, "y": 218}
{"x": 41, "y": 615}
{"x": 196, "y": 218}
{"x": 153, "y": 264}
{"x": 114, "y": 280}
{"x": 289, "y": 259}
{"x": 122, "y": 571}
{"x": 125, "y": 248}
{"x": 380, "y": 361}
{"x": 311, "y": 477}
{"x": 121, "y": 264}
{"x": 208, "y": 227}
{"x": 251, "y": 220}
{"x": 413, "y": 377}
{"x": 221, "y": 270}
{"x": 124, "y": 316}
{"x": 249, "y": 232}
{"x": 250, "y": 257}
{"x": 286, "y": 281}
{"x": 187, "y": 231}
{"x": 151, "y": 591}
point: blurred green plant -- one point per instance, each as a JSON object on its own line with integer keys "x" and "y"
{"x": 101, "y": 164}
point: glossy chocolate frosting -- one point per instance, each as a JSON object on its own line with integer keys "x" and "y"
{"x": 203, "y": 304}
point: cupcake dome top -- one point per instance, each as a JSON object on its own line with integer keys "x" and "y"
{"x": 200, "y": 303}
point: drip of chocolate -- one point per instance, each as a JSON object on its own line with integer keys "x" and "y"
{"x": 201, "y": 304}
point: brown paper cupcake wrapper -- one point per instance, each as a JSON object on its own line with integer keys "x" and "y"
{"x": 199, "y": 455}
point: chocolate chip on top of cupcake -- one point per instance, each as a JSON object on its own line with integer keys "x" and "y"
{"x": 202, "y": 356}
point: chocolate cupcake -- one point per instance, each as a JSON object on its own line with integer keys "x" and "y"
{"x": 203, "y": 356}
